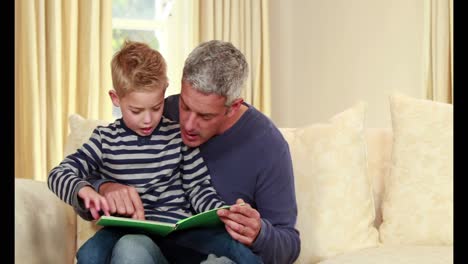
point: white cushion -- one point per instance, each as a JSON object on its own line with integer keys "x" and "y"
{"x": 333, "y": 189}
{"x": 80, "y": 131}
{"x": 418, "y": 203}
{"x": 379, "y": 153}
{"x": 397, "y": 255}
{"x": 42, "y": 221}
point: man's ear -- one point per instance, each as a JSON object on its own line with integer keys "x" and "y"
{"x": 235, "y": 106}
{"x": 115, "y": 98}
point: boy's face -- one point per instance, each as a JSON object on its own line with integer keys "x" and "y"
{"x": 141, "y": 110}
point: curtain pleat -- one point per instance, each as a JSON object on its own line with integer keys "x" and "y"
{"x": 439, "y": 50}
{"x": 245, "y": 24}
{"x": 62, "y": 66}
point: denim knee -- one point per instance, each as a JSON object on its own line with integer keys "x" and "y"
{"x": 98, "y": 248}
{"x": 215, "y": 241}
{"x": 137, "y": 248}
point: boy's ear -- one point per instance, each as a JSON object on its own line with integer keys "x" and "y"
{"x": 115, "y": 98}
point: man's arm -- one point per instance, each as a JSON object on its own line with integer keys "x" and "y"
{"x": 171, "y": 107}
{"x": 270, "y": 230}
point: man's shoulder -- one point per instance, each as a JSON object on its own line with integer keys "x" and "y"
{"x": 168, "y": 122}
{"x": 172, "y": 98}
{"x": 171, "y": 107}
{"x": 262, "y": 120}
{"x": 264, "y": 127}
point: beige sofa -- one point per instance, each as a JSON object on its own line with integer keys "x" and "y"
{"x": 345, "y": 187}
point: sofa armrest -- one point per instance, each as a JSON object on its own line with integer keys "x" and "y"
{"x": 45, "y": 226}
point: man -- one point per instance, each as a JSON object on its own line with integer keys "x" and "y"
{"x": 248, "y": 159}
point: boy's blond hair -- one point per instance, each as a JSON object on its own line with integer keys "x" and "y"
{"x": 138, "y": 67}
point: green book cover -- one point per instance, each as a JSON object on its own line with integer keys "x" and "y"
{"x": 204, "y": 219}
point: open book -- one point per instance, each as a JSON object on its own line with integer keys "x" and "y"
{"x": 204, "y": 219}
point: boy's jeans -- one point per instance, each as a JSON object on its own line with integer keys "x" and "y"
{"x": 189, "y": 246}
{"x": 129, "y": 248}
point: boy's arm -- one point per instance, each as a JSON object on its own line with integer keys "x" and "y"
{"x": 121, "y": 199}
{"x": 196, "y": 181}
{"x": 79, "y": 206}
{"x": 70, "y": 176}
{"x": 93, "y": 201}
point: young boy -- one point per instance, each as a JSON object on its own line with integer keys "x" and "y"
{"x": 142, "y": 149}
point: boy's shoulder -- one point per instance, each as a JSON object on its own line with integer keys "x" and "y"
{"x": 113, "y": 128}
{"x": 112, "y": 125}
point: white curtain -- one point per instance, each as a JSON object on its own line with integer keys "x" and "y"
{"x": 62, "y": 66}
{"x": 439, "y": 50}
{"x": 245, "y": 24}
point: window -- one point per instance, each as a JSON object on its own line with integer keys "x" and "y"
{"x": 166, "y": 25}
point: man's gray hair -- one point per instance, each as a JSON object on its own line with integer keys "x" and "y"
{"x": 216, "y": 67}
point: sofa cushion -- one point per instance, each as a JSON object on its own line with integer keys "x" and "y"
{"x": 379, "y": 154}
{"x": 397, "y": 255}
{"x": 418, "y": 203}
{"x": 333, "y": 190}
{"x": 80, "y": 131}
{"x": 44, "y": 225}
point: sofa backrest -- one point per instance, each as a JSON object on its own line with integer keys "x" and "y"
{"x": 379, "y": 142}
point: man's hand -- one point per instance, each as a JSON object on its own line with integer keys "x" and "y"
{"x": 123, "y": 200}
{"x": 93, "y": 201}
{"x": 242, "y": 222}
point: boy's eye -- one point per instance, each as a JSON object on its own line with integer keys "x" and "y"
{"x": 135, "y": 112}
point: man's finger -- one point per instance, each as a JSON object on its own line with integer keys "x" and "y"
{"x": 105, "y": 206}
{"x": 245, "y": 210}
{"x": 126, "y": 198}
{"x": 137, "y": 205}
{"x": 111, "y": 205}
{"x": 240, "y": 201}
{"x": 237, "y": 236}
{"x": 120, "y": 203}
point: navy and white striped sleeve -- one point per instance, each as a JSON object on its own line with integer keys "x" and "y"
{"x": 196, "y": 181}
{"x": 70, "y": 175}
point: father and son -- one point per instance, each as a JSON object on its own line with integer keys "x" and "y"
{"x": 168, "y": 158}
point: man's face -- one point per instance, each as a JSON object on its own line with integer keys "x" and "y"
{"x": 202, "y": 116}
{"x": 141, "y": 111}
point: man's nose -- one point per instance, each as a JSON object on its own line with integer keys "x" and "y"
{"x": 190, "y": 121}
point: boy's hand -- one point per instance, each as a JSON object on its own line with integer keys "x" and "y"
{"x": 123, "y": 200}
{"x": 242, "y": 222}
{"x": 93, "y": 201}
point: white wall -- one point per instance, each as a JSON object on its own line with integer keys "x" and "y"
{"x": 327, "y": 54}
